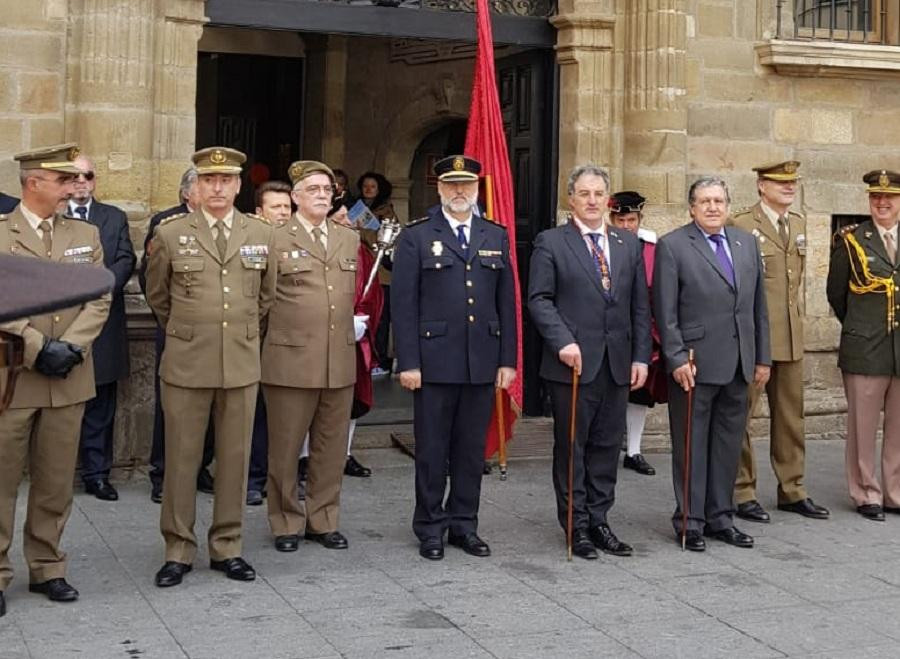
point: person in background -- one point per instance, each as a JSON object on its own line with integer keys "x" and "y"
{"x": 7, "y": 203}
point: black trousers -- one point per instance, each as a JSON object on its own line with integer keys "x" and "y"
{"x": 259, "y": 447}
{"x": 158, "y": 445}
{"x": 450, "y": 426}
{"x": 97, "y": 426}
{"x": 717, "y": 430}
{"x": 599, "y": 426}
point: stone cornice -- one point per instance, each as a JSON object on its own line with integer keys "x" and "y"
{"x": 582, "y": 32}
{"x": 830, "y": 59}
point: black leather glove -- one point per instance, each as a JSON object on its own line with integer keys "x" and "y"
{"x": 57, "y": 358}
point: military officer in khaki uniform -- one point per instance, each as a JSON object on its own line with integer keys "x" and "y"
{"x": 309, "y": 362}
{"x": 210, "y": 282}
{"x": 864, "y": 291}
{"x": 41, "y": 428}
{"x": 781, "y": 236}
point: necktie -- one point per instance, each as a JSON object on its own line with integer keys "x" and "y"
{"x": 722, "y": 255}
{"x": 783, "y": 231}
{"x": 81, "y": 211}
{"x": 890, "y": 247}
{"x": 45, "y": 228}
{"x": 600, "y": 262}
{"x": 221, "y": 240}
{"x": 317, "y": 239}
{"x": 461, "y": 237}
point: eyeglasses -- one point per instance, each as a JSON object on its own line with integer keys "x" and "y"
{"x": 88, "y": 176}
{"x": 316, "y": 189}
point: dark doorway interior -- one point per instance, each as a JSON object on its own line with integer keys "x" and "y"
{"x": 253, "y": 103}
{"x": 447, "y": 140}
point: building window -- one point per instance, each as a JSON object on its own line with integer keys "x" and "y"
{"x": 855, "y": 21}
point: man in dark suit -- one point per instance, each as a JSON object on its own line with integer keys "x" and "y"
{"x": 187, "y": 195}
{"x": 708, "y": 295}
{"x": 587, "y": 296}
{"x": 7, "y": 203}
{"x": 110, "y": 349}
{"x": 455, "y": 337}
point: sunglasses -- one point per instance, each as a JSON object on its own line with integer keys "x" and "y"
{"x": 88, "y": 176}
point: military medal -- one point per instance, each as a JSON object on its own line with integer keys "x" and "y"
{"x": 437, "y": 248}
{"x": 801, "y": 241}
{"x": 182, "y": 240}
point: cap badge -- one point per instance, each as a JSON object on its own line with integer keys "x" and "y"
{"x": 217, "y": 157}
{"x": 74, "y": 153}
{"x": 458, "y": 164}
{"x": 883, "y": 180}
{"x": 790, "y": 167}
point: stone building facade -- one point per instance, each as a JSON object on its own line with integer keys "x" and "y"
{"x": 660, "y": 91}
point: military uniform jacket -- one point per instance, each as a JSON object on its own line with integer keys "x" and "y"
{"x": 310, "y": 341}
{"x": 211, "y": 308}
{"x": 867, "y": 347}
{"x": 453, "y": 311}
{"x": 783, "y": 273}
{"x": 74, "y": 241}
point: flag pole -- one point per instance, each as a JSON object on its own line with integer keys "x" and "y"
{"x": 498, "y": 401}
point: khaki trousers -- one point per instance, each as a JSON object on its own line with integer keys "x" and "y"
{"x": 187, "y": 413}
{"x": 787, "y": 441}
{"x": 867, "y": 397}
{"x": 46, "y": 440}
{"x": 291, "y": 413}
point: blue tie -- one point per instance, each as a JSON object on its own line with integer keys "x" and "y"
{"x": 461, "y": 237}
{"x": 723, "y": 257}
{"x": 82, "y": 211}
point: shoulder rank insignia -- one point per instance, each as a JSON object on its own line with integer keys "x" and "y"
{"x": 413, "y": 223}
{"x": 257, "y": 217}
{"x": 172, "y": 218}
{"x": 842, "y": 232}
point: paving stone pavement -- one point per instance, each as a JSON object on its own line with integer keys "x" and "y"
{"x": 808, "y": 589}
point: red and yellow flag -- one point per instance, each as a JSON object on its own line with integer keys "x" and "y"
{"x": 486, "y": 142}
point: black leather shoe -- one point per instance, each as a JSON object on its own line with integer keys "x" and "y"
{"x": 871, "y": 511}
{"x": 2, "y": 605}
{"x": 171, "y": 574}
{"x": 353, "y": 468}
{"x": 234, "y": 568}
{"x": 156, "y": 491}
{"x": 752, "y": 512}
{"x": 254, "y": 498}
{"x": 205, "y": 482}
{"x": 693, "y": 541}
{"x": 893, "y": 510}
{"x": 730, "y": 536}
{"x": 582, "y": 547}
{"x": 607, "y": 542}
{"x": 287, "y": 542}
{"x": 637, "y": 463}
{"x": 471, "y": 544}
{"x": 330, "y": 540}
{"x": 432, "y": 549}
{"x": 101, "y": 488}
{"x": 56, "y": 590}
{"x": 805, "y": 507}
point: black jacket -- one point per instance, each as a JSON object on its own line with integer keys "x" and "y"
{"x": 7, "y": 203}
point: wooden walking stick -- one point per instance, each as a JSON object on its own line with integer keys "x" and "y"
{"x": 501, "y": 433}
{"x": 685, "y": 497}
{"x": 569, "y": 503}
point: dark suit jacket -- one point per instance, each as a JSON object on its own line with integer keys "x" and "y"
{"x": 696, "y": 307}
{"x": 151, "y": 227}
{"x": 7, "y": 203}
{"x": 111, "y": 347}
{"x": 567, "y": 304}
{"x": 454, "y": 314}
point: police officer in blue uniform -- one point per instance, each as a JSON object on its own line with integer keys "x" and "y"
{"x": 454, "y": 320}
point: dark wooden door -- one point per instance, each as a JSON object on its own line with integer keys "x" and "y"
{"x": 527, "y": 101}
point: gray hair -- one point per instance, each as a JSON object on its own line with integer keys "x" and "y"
{"x": 707, "y": 182}
{"x": 187, "y": 180}
{"x": 588, "y": 169}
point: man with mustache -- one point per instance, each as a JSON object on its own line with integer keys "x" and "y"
{"x": 455, "y": 337}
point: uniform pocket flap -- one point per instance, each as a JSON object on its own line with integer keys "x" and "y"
{"x": 180, "y": 330}
{"x": 254, "y": 262}
{"x": 494, "y": 327}
{"x": 432, "y": 328}
{"x": 437, "y": 262}
{"x": 188, "y": 265}
{"x": 286, "y": 337}
{"x": 289, "y": 267}
{"x": 492, "y": 262}
{"x": 348, "y": 264}
{"x": 693, "y": 333}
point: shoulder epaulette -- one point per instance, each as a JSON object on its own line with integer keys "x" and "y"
{"x": 743, "y": 211}
{"x": 795, "y": 213}
{"x": 172, "y": 218}
{"x": 3, "y": 217}
{"x": 258, "y": 217}
{"x": 66, "y": 216}
{"x": 843, "y": 231}
{"x": 415, "y": 222}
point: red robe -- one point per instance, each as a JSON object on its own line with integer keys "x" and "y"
{"x": 371, "y": 304}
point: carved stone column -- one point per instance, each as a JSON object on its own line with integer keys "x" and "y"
{"x": 590, "y": 96}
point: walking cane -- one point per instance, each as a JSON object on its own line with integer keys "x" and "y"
{"x": 501, "y": 431}
{"x": 685, "y": 497}
{"x": 569, "y": 504}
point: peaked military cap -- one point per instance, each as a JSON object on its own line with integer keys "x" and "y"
{"x": 627, "y": 201}
{"x": 882, "y": 180}
{"x": 300, "y": 169}
{"x": 779, "y": 171}
{"x": 218, "y": 160}
{"x": 57, "y": 158}
{"x": 457, "y": 168}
